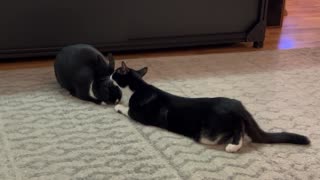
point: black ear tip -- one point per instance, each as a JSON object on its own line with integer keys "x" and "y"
{"x": 123, "y": 65}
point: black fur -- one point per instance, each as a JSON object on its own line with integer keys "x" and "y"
{"x": 194, "y": 117}
{"x": 77, "y": 66}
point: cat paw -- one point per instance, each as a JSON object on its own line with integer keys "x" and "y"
{"x": 121, "y": 109}
{"x": 232, "y": 148}
{"x": 118, "y": 108}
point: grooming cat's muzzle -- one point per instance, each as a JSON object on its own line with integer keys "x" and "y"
{"x": 114, "y": 93}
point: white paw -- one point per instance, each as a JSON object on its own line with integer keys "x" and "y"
{"x": 118, "y": 108}
{"x": 231, "y": 148}
{"x": 121, "y": 109}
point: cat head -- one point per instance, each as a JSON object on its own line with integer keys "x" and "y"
{"x": 108, "y": 92}
{"x": 109, "y": 60}
{"x": 125, "y": 76}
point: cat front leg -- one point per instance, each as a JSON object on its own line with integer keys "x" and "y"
{"x": 122, "y": 109}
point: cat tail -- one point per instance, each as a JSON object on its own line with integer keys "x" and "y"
{"x": 257, "y": 135}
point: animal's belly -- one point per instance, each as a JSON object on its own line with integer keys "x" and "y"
{"x": 184, "y": 124}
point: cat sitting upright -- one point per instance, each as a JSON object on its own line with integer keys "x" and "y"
{"x": 206, "y": 120}
{"x": 84, "y": 72}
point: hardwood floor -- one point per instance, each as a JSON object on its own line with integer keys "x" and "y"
{"x": 301, "y": 28}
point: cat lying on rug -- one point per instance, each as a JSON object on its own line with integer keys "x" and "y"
{"x": 84, "y": 72}
{"x": 206, "y": 120}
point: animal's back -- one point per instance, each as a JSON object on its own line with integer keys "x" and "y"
{"x": 187, "y": 116}
{"x": 74, "y": 62}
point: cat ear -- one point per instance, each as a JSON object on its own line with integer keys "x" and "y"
{"x": 102, "y": 59}
{"x": 124, "y": 68}
{"x": 111, "y": 61}
{"x": 142, "y": 71}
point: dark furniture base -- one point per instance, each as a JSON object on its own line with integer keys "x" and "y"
{"x": 38, "y": 28}
{"x": 276, "y": 11}
{"x": 258, "y": 44}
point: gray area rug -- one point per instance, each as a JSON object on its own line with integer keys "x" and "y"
{"x": 47, "y": 134}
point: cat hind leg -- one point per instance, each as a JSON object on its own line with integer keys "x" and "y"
{"x": 236, "y": 143}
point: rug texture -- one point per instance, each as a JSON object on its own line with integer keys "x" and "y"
{"x": 47, "y": 134}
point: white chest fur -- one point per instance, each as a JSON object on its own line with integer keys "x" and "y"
{"x": 126, "y": 95}
{"x": 91, "y": 94}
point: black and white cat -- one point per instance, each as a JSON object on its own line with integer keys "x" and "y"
{"x": 206, "y": 120}
{"x": 85, "y": 73}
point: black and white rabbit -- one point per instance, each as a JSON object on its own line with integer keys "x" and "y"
{"x": 84, "y": 72}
